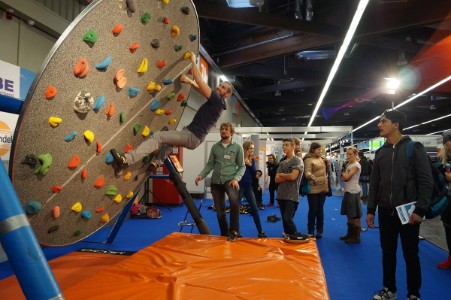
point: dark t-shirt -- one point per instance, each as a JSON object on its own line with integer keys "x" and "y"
{"x": 207, "y": 116}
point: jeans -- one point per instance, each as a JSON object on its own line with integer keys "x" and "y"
{"x": 183, "y": 138}
{"x": 218, "y": 192}
{"x": 272, "y": 191}
{"x": 287, "y": 210}
{"x": 364, "y": 189}
{"x": 390, "y": 227}
{"x": 247, "y": 191}
{"x": 316, "y": 212}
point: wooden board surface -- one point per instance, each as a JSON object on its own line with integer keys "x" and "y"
{"x": 34, "y": 135}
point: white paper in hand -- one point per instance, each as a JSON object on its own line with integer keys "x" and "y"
{"x": 405, "y": 211}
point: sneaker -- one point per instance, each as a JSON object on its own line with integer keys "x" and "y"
{"x": 261, "y": 206}
{"x": 119, "y": 159}
{"x": 233, "y": 236}
{"x": 272, "y": 218}
{"x": 227, "y": 209}
{"x": 262, "y": 235}
{"x": 385, "y": 294}
{"x": 319, "y": 235}
{"x": 297, "y": 237}
{"x": 310, "y": 234}
{"x": 413, "y": 297}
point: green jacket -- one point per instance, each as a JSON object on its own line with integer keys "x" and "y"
{"x": 227, "y": 163}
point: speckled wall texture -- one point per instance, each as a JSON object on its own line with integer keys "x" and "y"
{"x": 34, "y": 134}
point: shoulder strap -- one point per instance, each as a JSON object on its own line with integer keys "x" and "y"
{"x": 409, "y": 149}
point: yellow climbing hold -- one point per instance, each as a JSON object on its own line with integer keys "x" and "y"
{"x": 159, "y": 112}
{"x": 105, "y": 218}
{"x": 146, "y": 131}
{"x": 129, "y": 195}
{"x": 166, "y": 2}
{"x": 55, "y": 121}
{"x": 89, "y": 136}
{"x": 127, "y": 176}
{"x": 143, "y": 67}
{"x": 172, "y": 121}
{"x": 77, "y": 207}
{"x": 187, "y": 55}
{"x": 153, "y": 87}
{"x": 118, "y": 198}
{"x": 175, "y": 31}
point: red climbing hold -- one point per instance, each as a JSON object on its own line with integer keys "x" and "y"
{"x": 74, "y": 162}
{"x": 99, "y": 182}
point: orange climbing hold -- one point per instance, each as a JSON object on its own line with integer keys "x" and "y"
{"x": 133, "y": 47}
{"x": 128, "y": 147}
{"x": 99, "y": 147}
{"x": 117, "y": 29}
{"x": 100, "y": 209}
{"x": 99, "y": 182}
{"x": 84, "y": 174}
{"x": 167, "y": 112}
{"x": 56, "y": 211}
{"x": 166, "y": 20}
{"x": 81, "y": 68}
{"x": 119, "y": 78}
{"x": 105, "y": 218}
{"x": 110, "y": 111}
{"x": 161, "y": 64}
{"x": 74, "y": 162}
{"x": 56, "y": 188}
{"x": 50, "y": 92}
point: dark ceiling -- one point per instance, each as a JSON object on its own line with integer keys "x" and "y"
{"x": 262, "y": 51}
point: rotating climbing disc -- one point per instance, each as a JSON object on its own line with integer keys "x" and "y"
{"x": 110, "y": 81}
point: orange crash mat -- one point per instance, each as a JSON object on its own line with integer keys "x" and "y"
{"x": 68, "y": 270}
{"x": 190, "y": 266}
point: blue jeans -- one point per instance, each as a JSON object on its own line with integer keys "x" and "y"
{"x": 218, "y": 192}
{"x": 390, "y": 228}
{"x": 247, "y": 191}
{"x": 316, "y": 212}
{"x": 287, "y": 210}
{"x": 364, "y": 189}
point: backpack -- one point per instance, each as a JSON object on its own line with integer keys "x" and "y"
{"x": 439, "y": 198}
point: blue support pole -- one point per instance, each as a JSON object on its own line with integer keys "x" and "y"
{"x": 10, "y": 105}
{"x": 22, "y": 248}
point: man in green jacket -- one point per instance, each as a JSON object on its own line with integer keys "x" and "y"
{"x": 227, "y": 162}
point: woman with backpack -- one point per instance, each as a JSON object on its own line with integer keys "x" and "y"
{"x": 445, "y": 157}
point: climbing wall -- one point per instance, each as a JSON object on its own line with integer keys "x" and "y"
{"x": 111, "y": 81}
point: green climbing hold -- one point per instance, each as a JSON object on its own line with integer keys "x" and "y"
{"x": 46, "y": 163}
{"x": 170, "y": 96}
{"x": 136, "y": 128}
{"x": 78, "y": 232}
{"x": 184, "y": 103}
{"x": 145, "y": 18}
{"x": 122, "y": 117}
{"x": 178, "y": 48}
{"x": 90, "y": 36}
{"x": 111, "y": 190}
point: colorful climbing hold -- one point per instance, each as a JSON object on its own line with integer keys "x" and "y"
{"x": 84, "y": 174}
{"x": 71, "y": 136}
{"x": 89, "y": 136}
{"x": 98, "y": 104}
{"x": 99, "y": 147}
{"x": 143, "y": 67}
{"x": 77, "y": 207}
{"x": 153, "y": 87}
{"x": 145, "y": 18}
{"x": 100, "y": 209}
{"x": 155, "y": 43}
{"x": 32, "y": 160}
{"x": 133, "y": 47}
{"x": 175, "y": 31}
{"x": 33, "y": 207}
{"x": 118, "y": 198}
{"x": 78, "y": 232}
{"x": 56, "y": 188}
{"x": 180, "y": 97}
{"x": 111, "y": 190}
{"x": 167, "y": 112}
{"x": 56, "y": 211}
{"x": 170, "y": 96}
{"x": 110, "y": 111}
{"x": 185, "y": 10}
{"x": 127, "y": 176}
{"x": 177, "y": 48}
{"x": 146, "y": 131}
{"x": 86, "y": 214}
{"x": 117, "y": 29}
{"x": 136, "y": 128}
{"x": 104, "y": 64}
{"x": 155, "y": 104}
{"x": 119, "y": 78}
{"x": 172, "y": 121}
{"x": 166, "y": 2}
{"x": 105, "y": 218}
{"x": 192, "y": 37}
{"x": 159, "y": 112}
{"x": 81, "y": 68}
{"x": 166, "y": 20}
{"x": 74, "y": 162}
{"x": 161, "y": 64}
{"x": 46, "y": 163}
{"x": 184, "y": 103}
{"x": 187, "y": 55}
{"x": 128, "y": 147}
{"x": 84, "y": 102}
{"x": 55, "y": 121}
{"x": 122, "y": 117}
{"x": 90, "y": 36}
{"x": 50, "y": 92}
{"x": 167, "y": 81}
{"x": 99, "y": 182}
{"x": 129, "y": 195}
{"x": 109, "y": 158}
{"x": 53, "y": 228}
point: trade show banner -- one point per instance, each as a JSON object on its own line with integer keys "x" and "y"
{"x": 14, "y": 82}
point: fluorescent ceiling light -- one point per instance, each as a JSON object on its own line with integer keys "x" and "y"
{"x": 349, "y": 35}
{"x": 223, "y": 78}
{"x": 239, "y": 3}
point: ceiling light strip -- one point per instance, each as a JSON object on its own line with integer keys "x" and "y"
{"x": 349, "y": 35}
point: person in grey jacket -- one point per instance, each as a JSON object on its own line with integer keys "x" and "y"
{"x": 227, "y": 162}
{"x": 396, "y": 181}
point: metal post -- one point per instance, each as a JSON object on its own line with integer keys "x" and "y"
{"x": 22, "y": 248}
